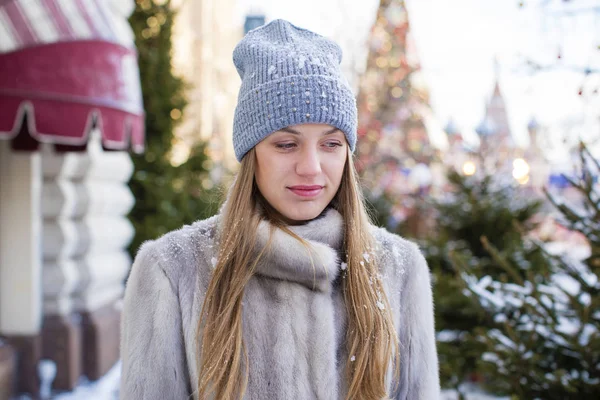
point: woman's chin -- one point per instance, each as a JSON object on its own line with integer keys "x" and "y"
{"x": 302, "y": 214}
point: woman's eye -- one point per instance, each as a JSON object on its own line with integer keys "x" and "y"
{"x": 332, "y": 145}
{"x": 285, "y": 146}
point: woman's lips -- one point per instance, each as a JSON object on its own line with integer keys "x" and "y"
{"x": 306, "y": 190}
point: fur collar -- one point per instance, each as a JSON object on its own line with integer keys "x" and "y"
{"x": 316, "y": 265}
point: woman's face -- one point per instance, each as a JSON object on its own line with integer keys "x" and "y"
{"x": 299, "y": 169}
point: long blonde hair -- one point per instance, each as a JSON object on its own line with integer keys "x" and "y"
{"x": 372, "y": 342}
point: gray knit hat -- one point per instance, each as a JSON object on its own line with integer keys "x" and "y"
{"x": 289, "y": 76}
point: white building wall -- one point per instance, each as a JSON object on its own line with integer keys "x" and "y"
{"x": 20, "y": 244}
{"x": 85, "y": 202}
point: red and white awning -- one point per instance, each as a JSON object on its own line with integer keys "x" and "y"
{"x": 67, "y": 65}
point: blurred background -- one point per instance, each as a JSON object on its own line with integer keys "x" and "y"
{"x": 479, "y": 138}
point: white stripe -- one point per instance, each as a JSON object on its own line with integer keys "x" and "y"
{"x": 40, "y": 21}
{"x": 7, "y": 41}
{"x": 76, "y": 20}
{"x": 131, "y": 76}
{"x": 118, "y": 12}
{"x": 118, "y": 25}
{"x": 121, "y": 8}
{"x": 123, "y": 31}
{"x": 98, "y": 20}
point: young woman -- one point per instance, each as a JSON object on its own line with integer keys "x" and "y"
{"x": 290, "y": 292}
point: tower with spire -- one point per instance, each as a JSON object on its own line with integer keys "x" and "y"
{"x": 497, "y": 147}
{"x": 494, "y": 129}
{"x": 498, "y": 152}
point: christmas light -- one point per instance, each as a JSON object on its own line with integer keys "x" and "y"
{"x": 175, "y": 114}
{"x": 523, "y": 180}
{"x": 469, "y": 168}
{"x": 520, "y": 170}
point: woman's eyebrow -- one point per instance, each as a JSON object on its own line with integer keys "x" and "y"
{"x": 295, "y": 132}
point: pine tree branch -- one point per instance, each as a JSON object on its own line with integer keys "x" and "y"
{"x": 501, "y": 260}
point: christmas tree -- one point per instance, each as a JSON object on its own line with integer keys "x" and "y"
{"x": 167, "y": 196}
{"x": 546, "y": 339}
{"x": 394, "y": 151}
{"x": 472, "y": 208}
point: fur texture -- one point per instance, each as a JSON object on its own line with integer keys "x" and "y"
{"x": 294, "y": 315}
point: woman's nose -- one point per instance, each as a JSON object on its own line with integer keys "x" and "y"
{"x": 308, "y": 163}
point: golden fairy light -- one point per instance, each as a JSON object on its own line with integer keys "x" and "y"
{"x": 397, "y": 92}
{"x": 520, "y": 169}
{"x": 469, "y": 168}
{"x": 523, "y": 180}
{"x": 175, "y": 114}
{"x": 382, "y": 62}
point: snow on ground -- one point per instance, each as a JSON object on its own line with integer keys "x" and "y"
{"x": 107, "y": 389}
{"x": 453, "y": 395}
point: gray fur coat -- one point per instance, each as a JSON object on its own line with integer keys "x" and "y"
{"x": 293, "y": 317}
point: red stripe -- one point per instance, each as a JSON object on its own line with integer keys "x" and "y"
{"x": 58, "y": 18}
{"x": 88, "y": 19}
{"x": 20, "y": 23}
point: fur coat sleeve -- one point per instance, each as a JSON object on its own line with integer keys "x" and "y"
{"x": 419, "y": 378}
{"x": 153, "y": 363}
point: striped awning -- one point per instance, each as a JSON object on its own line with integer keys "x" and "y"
{"x": 67, "y": 66}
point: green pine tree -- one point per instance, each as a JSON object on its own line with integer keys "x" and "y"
{"x": 473, "y": 208}
{"x": 546, "y": 340}
{"x": 166, "y": 196}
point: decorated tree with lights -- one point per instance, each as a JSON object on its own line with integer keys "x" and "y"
{"x": 394, "y": 153}
{"x": 167, "y": 196}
